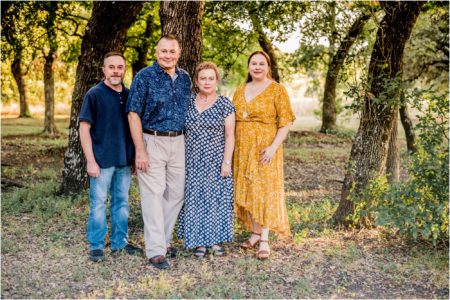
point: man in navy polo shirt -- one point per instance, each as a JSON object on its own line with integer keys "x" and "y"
{"x": 108, "y": 148}
{"x": 156, "y": 109}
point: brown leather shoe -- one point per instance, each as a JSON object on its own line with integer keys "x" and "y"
{"x": 263, "y": 254}
{"x": 247, "y": 244}
{"x": 159, "y": 262}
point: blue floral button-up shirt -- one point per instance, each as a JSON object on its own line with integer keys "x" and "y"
{"x": 160, "y": 101}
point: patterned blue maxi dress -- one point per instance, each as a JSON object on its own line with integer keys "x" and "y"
{"x": 206, "y": 218}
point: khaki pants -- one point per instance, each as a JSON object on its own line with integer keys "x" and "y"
{"x": 162, "y": 191}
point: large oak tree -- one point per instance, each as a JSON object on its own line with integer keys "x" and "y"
{"x": 106, "y": 31}
{"x": 369, "y": 149}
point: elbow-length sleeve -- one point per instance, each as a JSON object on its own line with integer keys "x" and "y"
{"x": 283, "y": 108}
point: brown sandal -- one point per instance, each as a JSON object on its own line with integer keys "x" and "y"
{"x": 263, "y": 254}
{"x": 247, "y": 244}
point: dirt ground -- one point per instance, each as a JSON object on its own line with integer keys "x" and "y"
{"x": 48, "y": 259}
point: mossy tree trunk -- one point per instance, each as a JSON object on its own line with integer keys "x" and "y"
{"x": 369, "y": 149}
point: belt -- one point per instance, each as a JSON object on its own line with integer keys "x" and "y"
{"x": 163, "y": 133}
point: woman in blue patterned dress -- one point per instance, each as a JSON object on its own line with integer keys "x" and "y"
{"x": 206, "y": 219}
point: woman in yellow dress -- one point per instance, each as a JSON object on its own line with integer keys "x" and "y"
{"x": 263, "y": 119}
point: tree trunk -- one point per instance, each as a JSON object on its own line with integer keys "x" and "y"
{"x": 16, "y": 70}
{"x": 265, "y": 44}
{"x": 184, "y": 20}
{"x": 49, "y": 78}
{"x": 49, "y": 87}
{"x": 334, "y": 68}
{"x": 106, "y": 31}
{"x": 393, "y": 156}
{"x": 143, "y": 49}
{"x": 369, "y": 149}
{"x": 407, "y": 125}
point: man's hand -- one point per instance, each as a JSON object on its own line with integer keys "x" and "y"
{"x": 142, "y": 163}
{"x": 93, "y": 169}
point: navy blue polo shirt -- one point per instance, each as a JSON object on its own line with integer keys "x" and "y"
{"x": 160, "y": 101}
{"x": 104, "y": 109}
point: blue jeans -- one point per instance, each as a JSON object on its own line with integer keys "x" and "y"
{"x": 117, "y": 181}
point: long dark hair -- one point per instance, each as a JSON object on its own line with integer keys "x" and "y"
{"x": 249, "y": 78}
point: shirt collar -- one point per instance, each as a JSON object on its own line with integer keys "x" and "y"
{"x": 107, "y": 87}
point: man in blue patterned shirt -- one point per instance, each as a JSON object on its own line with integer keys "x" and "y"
{"x": 156, "y": 107}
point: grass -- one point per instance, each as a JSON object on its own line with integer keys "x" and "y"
{"x": 30, "y": 126}
{"x": 44, "y": 250}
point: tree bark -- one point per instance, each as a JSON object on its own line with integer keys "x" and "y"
{"x": 143, "y": 49}
{"x": 334, "y": 68}
{"x": 49, "y": 88}
{"x": 393, "y": 155}
{"x": 16, "y": 70}
{"x": 106, "y": 31}
{"x": 265, "y": 44}
{"x": 407, "y": 125}
{"x": 369, "y": 149}
{"x": 184, "y": 20}
{"x": 49, "y": 78}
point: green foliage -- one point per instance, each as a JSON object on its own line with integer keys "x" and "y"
{"x": 418, "y": 207}
{"x": 426, "y": 54}
{"x": 41, "y": 200}
{"x": 148, "y": 18}
{"x": 229, "y": 25}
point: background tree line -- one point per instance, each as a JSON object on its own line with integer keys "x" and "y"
{"x": 379, "y": 54}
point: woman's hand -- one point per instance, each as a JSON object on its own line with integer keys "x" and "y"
{"x": 266, "y": 155}
{"x": 225, "y": 170}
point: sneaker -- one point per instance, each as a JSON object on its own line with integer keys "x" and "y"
{"x": 96, "y": 255}
{"x": 171, "y": 252}
{"x": 128, "y": 249}
{"x": 159, "y": 262}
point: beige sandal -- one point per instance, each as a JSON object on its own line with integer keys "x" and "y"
{"x": 263, "y": 254}
{"x": 247, "y": 244}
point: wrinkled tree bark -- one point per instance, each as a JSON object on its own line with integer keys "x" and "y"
{"x": 18, "y": 74}
{"x": 105, "y": 32}
{"x": 184, "y": 20}
{"x": 265, "y": 44}
{"x": 334, "y": 68}
{"x": 369, "y": 149}
{"x": 49, "y": 78}
{"x": 143, "y": 50}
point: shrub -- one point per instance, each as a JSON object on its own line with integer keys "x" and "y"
{"x": 418, "y": 207}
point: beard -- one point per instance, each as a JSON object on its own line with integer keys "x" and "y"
{"x": 115, "y": 80}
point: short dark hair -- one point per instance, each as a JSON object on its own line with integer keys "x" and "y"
{"x": 267, "y": 57}
{"x": 171, "y": 37}
{"x": 112, "y": 53}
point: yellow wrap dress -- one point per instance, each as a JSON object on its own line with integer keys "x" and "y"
{"x": 258, "y": 188}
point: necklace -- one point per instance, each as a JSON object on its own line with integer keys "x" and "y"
{"x": 204, "y": 100}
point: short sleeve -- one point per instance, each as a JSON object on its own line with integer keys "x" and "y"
{"x": 137, "y": 95}
{"x": 87, "y": 111}
{"x": 283, "y": 107}
{"x": 228, "y": 107}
